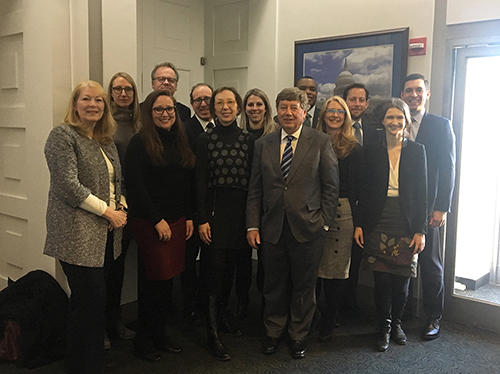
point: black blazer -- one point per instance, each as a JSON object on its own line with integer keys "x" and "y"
{"x": 436, "y": 134}
{"x": 184, "y": 111}
{"x": 412, "y": 186}
{"x": 193, "y": 130}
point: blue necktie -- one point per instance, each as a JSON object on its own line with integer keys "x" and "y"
{"x": 286, "y": 160}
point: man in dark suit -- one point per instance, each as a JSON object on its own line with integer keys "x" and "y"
{"x": 165, "y": 77}
{"x": 356, "y": 97}
{"x": 310, "y": 87}
{"x": 292, "y": 200}
{"x": 200, "y": 97}
{"x": 436, "y": 134}
{"x": 192, "y": 281}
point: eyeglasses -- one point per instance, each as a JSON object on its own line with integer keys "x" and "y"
{"x": 220, "y": 104}
{"x": 163, "y": 79}
{"x": 206, "y": 99}
{"x": 160, "y": 109}
{"x": 339, "y": 111}
{"x": 117, "y": 90}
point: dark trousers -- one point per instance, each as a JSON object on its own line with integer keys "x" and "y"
{"x": 114, "y": 284}
{"x": 153, "y": 299}
{"x": 192, "y": 279}
{"x": 351, "y": 284}
{"x": 291, "y": 270}
{"x": 86, "y": 319}
{"x": 223, "y": 264}
{"x": 333, "y": 292}
{"x": 431, "y": 271}
{"x": 391, "y": 293}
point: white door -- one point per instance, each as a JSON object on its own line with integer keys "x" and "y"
{"x": 33, "y": 49}
{"x": 172, "y": 30}
{"x": 226, "y": 40}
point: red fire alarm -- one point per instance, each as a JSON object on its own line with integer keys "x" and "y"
{"x": 417, "y": 46}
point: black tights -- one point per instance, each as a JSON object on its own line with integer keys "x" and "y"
{"x": 391, "y": 293}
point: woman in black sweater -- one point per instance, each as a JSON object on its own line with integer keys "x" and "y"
{"x": 223, "y": 169}
{"x": 159, "y": 176}
{"x": 392, "y": 218}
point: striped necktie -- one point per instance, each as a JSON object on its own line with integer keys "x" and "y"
{"x": 357, "y": 132}
{"x": 286, "y": 160}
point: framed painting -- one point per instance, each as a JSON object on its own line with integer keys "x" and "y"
{"x": 378, "y": 60}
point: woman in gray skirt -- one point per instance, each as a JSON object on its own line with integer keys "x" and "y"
{"x": 392, "y": 218}
{"x": 335, "y": 120}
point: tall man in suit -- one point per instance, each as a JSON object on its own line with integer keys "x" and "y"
{"x": 292, "y": 200}
{"x": 436, "y": 134}
{"x": 164, "y": 76}
{"x": 192, "y": 280}
{"x": 310, "y": 87}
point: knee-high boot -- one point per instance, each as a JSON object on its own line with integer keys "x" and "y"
{"x": 214, "y": 344}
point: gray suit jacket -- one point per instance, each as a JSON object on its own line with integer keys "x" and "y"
{"x": 77, "y": 169}
{"x": 308, "y": 198}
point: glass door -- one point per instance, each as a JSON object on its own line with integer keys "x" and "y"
{"x": 473, "y": 267}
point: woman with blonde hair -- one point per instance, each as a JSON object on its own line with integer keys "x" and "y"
{"x": 85, "y": 214}
{"x": 257, "y": 116}
{"x": 335, "y": 120}
{"x": 257, "y": 119}
{"x": 124, "y": 106}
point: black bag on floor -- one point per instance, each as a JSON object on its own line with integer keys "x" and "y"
{"x": 39, "y": 306}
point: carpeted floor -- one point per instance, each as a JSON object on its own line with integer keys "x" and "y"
{"x": 460, "y": 349}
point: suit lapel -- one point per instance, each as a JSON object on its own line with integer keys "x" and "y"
{"x": 303, "y": 145}
{"x": 422, "y": 130}
{"x": 274, "y": 151}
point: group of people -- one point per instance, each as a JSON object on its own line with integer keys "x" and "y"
{"x": 318, "y": 192}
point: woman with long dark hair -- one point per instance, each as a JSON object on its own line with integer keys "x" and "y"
{"x": 392, "y": 218}
{"x": 335, "y": 120}
{"x": 158, "y": 170}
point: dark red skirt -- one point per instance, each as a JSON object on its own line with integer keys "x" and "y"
{"x": 161, "y": 260}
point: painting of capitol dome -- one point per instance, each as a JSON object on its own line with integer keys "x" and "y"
{"x": 376, "y": 60}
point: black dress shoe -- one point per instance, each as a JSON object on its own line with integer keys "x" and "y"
{"x": 166, "y": 345}
{"x": 431, "y": 330}
{"x": 298, "y": 349}
{"x": 270, "y": 345}
{"x": 150, "y": 355}
{"x": 397, "y": 334}
{"x": 383, "y": 339}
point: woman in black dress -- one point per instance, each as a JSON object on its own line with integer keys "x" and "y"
{"x": 222, "y": 175}
{"x": 159, "y": 175}
{"x": 335, "y": 120}
{"x": 392, "y": 218}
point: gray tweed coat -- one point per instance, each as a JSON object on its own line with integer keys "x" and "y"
{"x": 77, "y": 168}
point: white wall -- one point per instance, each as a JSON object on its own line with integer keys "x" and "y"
{"x": 299, "y": 20}
{"x": 463, "y": 11}
{"x": 119, "y": 38}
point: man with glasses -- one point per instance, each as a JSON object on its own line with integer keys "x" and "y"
{"x": 202, "y": 120}
{"x": 165, "y": 77}
{"x": 192, "y": 280}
